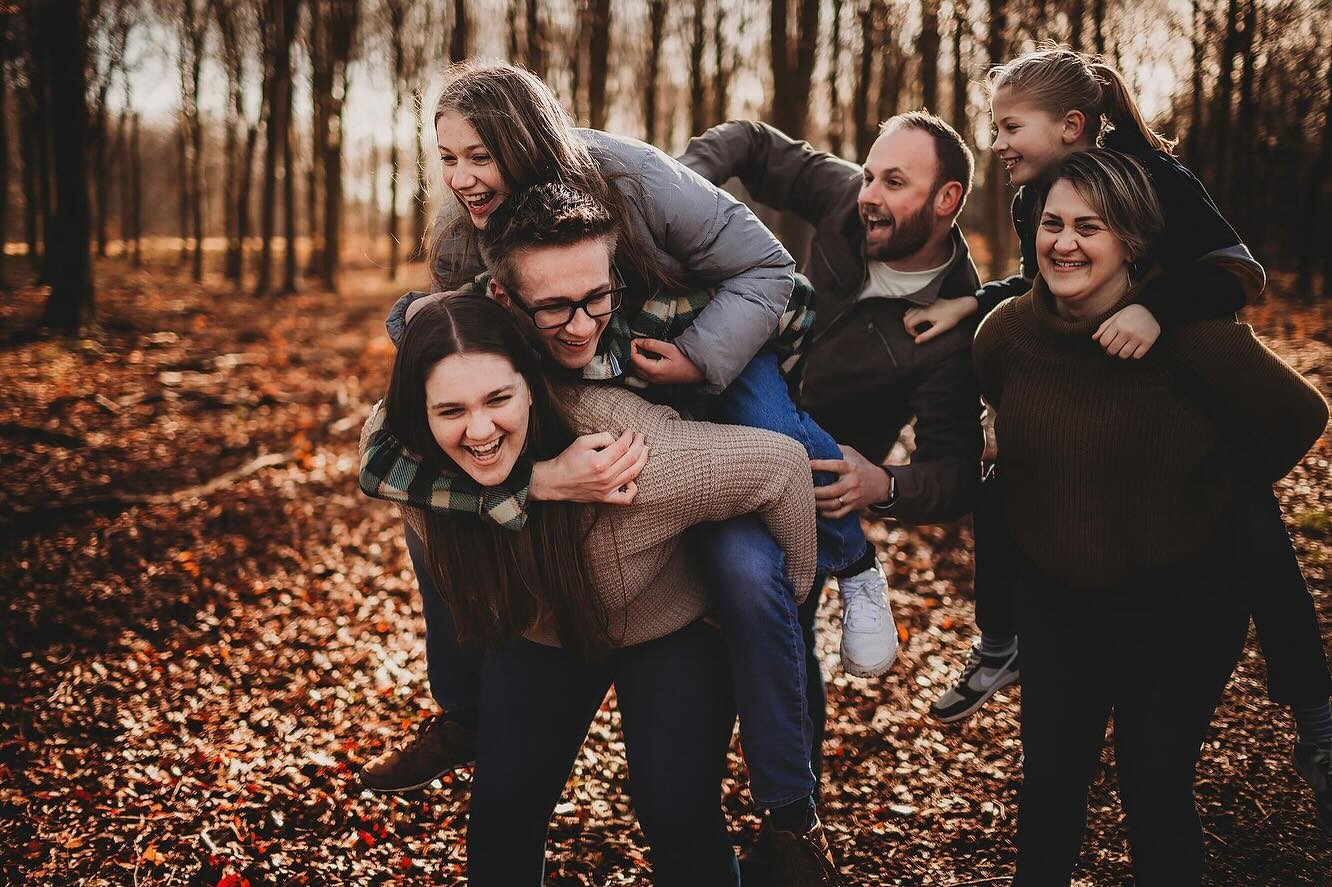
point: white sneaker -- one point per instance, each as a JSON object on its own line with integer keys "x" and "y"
{"x": 869, "y": 637}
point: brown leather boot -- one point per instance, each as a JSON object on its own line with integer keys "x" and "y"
{"x": 439, "y": 746}
{"x": 799, "y": 860}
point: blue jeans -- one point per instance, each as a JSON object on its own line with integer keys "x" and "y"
{"x": 759, "y": 398}
{"x": 753, "y": 601}
{"x": 536, "y": 705}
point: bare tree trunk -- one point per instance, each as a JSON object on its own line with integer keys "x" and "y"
{"x": 183, "y": 205}
{"x": 321, "y": 84}
{"x": 1000, "y": 215}
{"x": 101, "y": 179}
{"x": 1077, "y": 16}
{"x": 280, "y": 21}
{"x": 927, "y": 48}
{"x": 123, "y": 175}
{"x": 420, "y": 197}
{"x": 836, "y": 119}
{"x": 515, "y": 47}
{"x": 1225, "y": 89}
{"x": 890, "y": 70}
{"x": 71, "y": 303}
{"x": 343, "y": 19}
{"x": 536, "y": 40}
{"x": 698, "y": 35}
{"x": 1244, "y": 144}
{"x": 28, "y": 141}
{"x": 398, "y": 51}
{"x": 1315, "y": 231}
{"x": 656, "y": 33}
{"x": 1197, "y": 123}
{"x": 860, "y": 101}
{"x": 4, "y": 161}
{"x": 721, "y": 93}
{"x": 244, "y": 193}
{"x": 136, "y": 188}
{"x": 960, "y": 79}
{"x": 1098, "y": 26}
{"x": 289, "y": 280}
{"x": 598, "y": 63}
{"x": 792, "y": 71}
{"x": 458, "y": 38}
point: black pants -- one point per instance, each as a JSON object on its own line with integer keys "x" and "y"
{"x": 677, "y": 715}
{"x": 1157, "y": 660}
{"x": 1283, "y": 610}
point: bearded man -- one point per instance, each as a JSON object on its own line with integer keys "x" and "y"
{"x": 885, "y": 242}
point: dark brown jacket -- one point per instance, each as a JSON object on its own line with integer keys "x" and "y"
{"x": 863, "y": 376}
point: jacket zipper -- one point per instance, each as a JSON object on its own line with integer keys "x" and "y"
{"x": 869, "y": 325}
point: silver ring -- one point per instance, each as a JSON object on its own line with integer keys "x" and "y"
{"x": 840, "y": 503}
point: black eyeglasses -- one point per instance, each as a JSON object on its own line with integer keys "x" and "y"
{"x": 553, "y": 315}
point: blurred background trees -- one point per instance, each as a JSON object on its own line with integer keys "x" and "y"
{"x": 271, "y": 141}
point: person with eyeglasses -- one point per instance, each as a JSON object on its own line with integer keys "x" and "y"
{"x": 710, "y": 287}
{"x": 584, "y": 597}
{"x": 551, "y": 248}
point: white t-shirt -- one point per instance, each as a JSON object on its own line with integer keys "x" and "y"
{"x": 887, "y": 282}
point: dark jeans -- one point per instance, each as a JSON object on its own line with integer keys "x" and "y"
{"x": 677, "y": 715}
{"x": 759, "y": 398}
{"x": 773, "y": 681}
{"x": 1283, "y": 610}
{"x": 1157, "y": 659}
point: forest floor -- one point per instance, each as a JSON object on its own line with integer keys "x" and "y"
{"x": 207, "y": 628}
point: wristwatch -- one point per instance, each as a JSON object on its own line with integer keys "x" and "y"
{"x": 886, "y": 506}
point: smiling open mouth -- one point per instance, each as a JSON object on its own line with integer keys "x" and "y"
{"x": 573, "y": 343}
{"x": 488, "y": 453}
{"x": 477, "y": 202}
{"x": 1068, "y": 265}
{"x": 875, "y": 222}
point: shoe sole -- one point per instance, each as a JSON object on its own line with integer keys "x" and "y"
{"x": 873, "y": 671}
{"x": 976, "y": 706}
{"x": 408, "y": 788}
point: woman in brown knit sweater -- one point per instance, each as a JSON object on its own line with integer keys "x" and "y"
{"x": 584, "y": 598}
{"x": 1117, "y": 488}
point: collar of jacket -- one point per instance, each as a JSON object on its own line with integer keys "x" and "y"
{"x": 959, "y": 279}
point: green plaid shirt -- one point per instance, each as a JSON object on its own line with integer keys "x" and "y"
{"x": 391, "y": 471}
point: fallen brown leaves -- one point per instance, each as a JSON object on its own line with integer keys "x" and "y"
{"x": 192, "y": 673}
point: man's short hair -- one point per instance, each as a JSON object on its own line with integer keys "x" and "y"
{"x": 551, "y": 214}
{"x": 956, "y": 163}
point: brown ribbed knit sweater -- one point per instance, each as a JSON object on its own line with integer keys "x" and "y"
{"x": 1118, "y": 472}
{"x": 698, "y": 472}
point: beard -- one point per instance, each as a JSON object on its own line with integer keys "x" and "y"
{"x": 909, "y": 235}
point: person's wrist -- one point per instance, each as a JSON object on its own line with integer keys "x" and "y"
{"x": 885, "y": 505}
{"x": 972, "y": 305}
{"x": 544, "y": 485}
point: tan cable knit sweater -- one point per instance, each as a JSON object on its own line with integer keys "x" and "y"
{"x": 1118, "y": 472}
{"x": 698, "y": 472}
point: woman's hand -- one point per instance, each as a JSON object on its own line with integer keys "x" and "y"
{"x": 661, "y": 363}
{"x": 1128, "y": 333}
{"x": 937, "y": 319}
{"x": 596, "y": 468}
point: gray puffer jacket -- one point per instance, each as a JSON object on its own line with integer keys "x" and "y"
{"x": 699, "y": 233}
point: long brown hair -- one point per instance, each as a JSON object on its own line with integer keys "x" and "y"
{"x": 1058, "y": 80}
{"x": 533, "y": 142}
{"x": 497, "y": 582}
